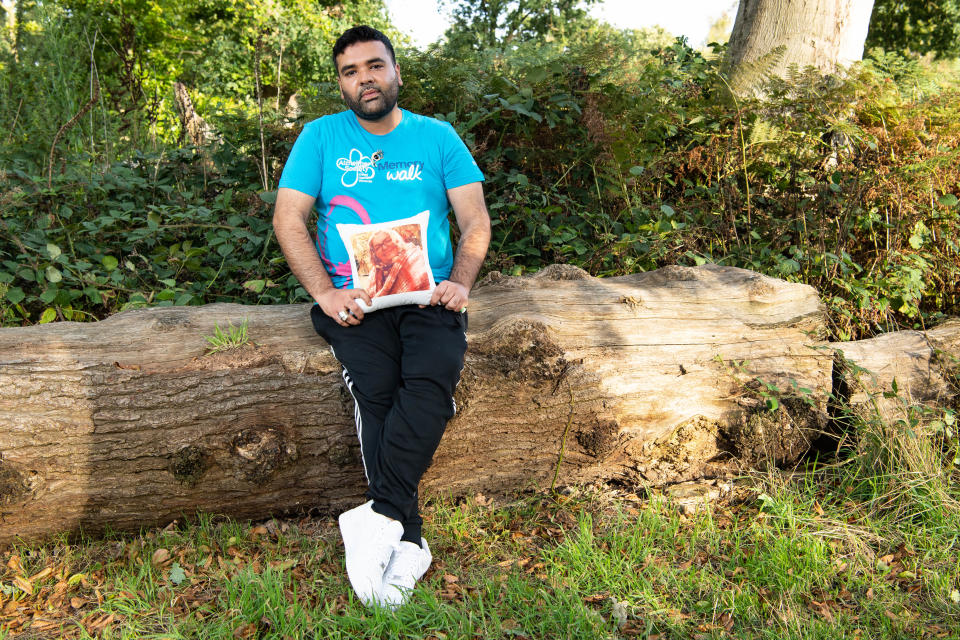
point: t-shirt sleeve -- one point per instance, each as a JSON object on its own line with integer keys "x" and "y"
{"x": 459, "y": 167}
{"x": 303, "y": 170}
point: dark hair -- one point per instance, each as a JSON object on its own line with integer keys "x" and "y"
{"x": 353, "y": 35}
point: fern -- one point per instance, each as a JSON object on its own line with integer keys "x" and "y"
{"x": 747, "y": 75}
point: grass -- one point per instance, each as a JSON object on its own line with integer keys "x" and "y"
{"x": 232, "y": 338}
{"x": 784, "y": 557}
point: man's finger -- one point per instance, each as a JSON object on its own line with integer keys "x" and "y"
{"x": 354, "y": 309}
{"x": 362, "y": 293}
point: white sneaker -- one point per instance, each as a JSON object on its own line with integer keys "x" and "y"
{"x": 369, "y": 540}
{"x": 408, "y": 565}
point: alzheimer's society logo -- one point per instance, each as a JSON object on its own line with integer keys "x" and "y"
{"x": 356, "y": 168}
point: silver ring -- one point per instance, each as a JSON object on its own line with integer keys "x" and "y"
{"x": 343, "y": 315}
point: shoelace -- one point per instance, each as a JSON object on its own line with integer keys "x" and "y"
{"x": 405, "y": 566}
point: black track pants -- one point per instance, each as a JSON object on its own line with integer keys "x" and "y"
{"x": 401, "y": 365}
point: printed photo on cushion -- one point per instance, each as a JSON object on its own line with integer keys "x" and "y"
{"x": 389, "y": 260}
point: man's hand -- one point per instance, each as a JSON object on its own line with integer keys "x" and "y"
{"x": 334, "y": 301}
{"x": 450, "y": 294}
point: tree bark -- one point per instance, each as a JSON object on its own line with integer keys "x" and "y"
{"x": 650, "y": 379}
{"x": 193, "y": 128}
{"x": 770, "y": 35}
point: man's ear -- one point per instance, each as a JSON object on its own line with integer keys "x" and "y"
{"x": 340, "y": 87}
{"x": 396, "y": 68}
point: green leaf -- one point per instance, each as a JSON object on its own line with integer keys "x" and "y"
{"x": 53, "y": 250}
{"x": 49, "y": 315}
{"x": 254, "y": 285}
{"x": 177, "y": 574}
{"x": 183, "y": 300}
{"x": 538, "y": 74}
{"x": 270, "y": 197}
{"x": 948, "y": 200}
{"x": 916, "y": 241}
{"x": 520, "y": 179}
{"x": 788, "y": 266}
{"x": 225, "y": 250}
{"x": 667, "y": 210}
{"x": 636, "y": 171}
{"x": 109, "y": 263}
{"x": 16, "y": 295}
{"x": 49, "y": 295}
{"x": 53, "y": 274}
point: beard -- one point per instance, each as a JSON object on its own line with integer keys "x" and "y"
{"x": 378, "y": 107}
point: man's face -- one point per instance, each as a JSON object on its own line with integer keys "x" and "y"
{"x": 369, "y": 80}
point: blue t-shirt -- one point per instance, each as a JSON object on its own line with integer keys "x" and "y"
{"x": 362, "y": 178}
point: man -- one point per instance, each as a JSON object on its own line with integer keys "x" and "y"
{"x": 378, "y": 164}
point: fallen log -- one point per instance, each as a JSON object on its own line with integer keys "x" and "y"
{"x": 650, "y": 378}
{"x": 887, "y": 374}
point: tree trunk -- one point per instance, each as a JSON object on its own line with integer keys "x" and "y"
{"x": 650, "y": 378}
{"x": 770, "y": 35}
{"x": 193, "y": 128}
{"x": 10, "y": 18}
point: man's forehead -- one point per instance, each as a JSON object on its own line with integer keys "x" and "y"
{"x": 361, "y": 52}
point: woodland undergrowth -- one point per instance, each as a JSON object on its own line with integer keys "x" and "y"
{"x": 615, "y": 161}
